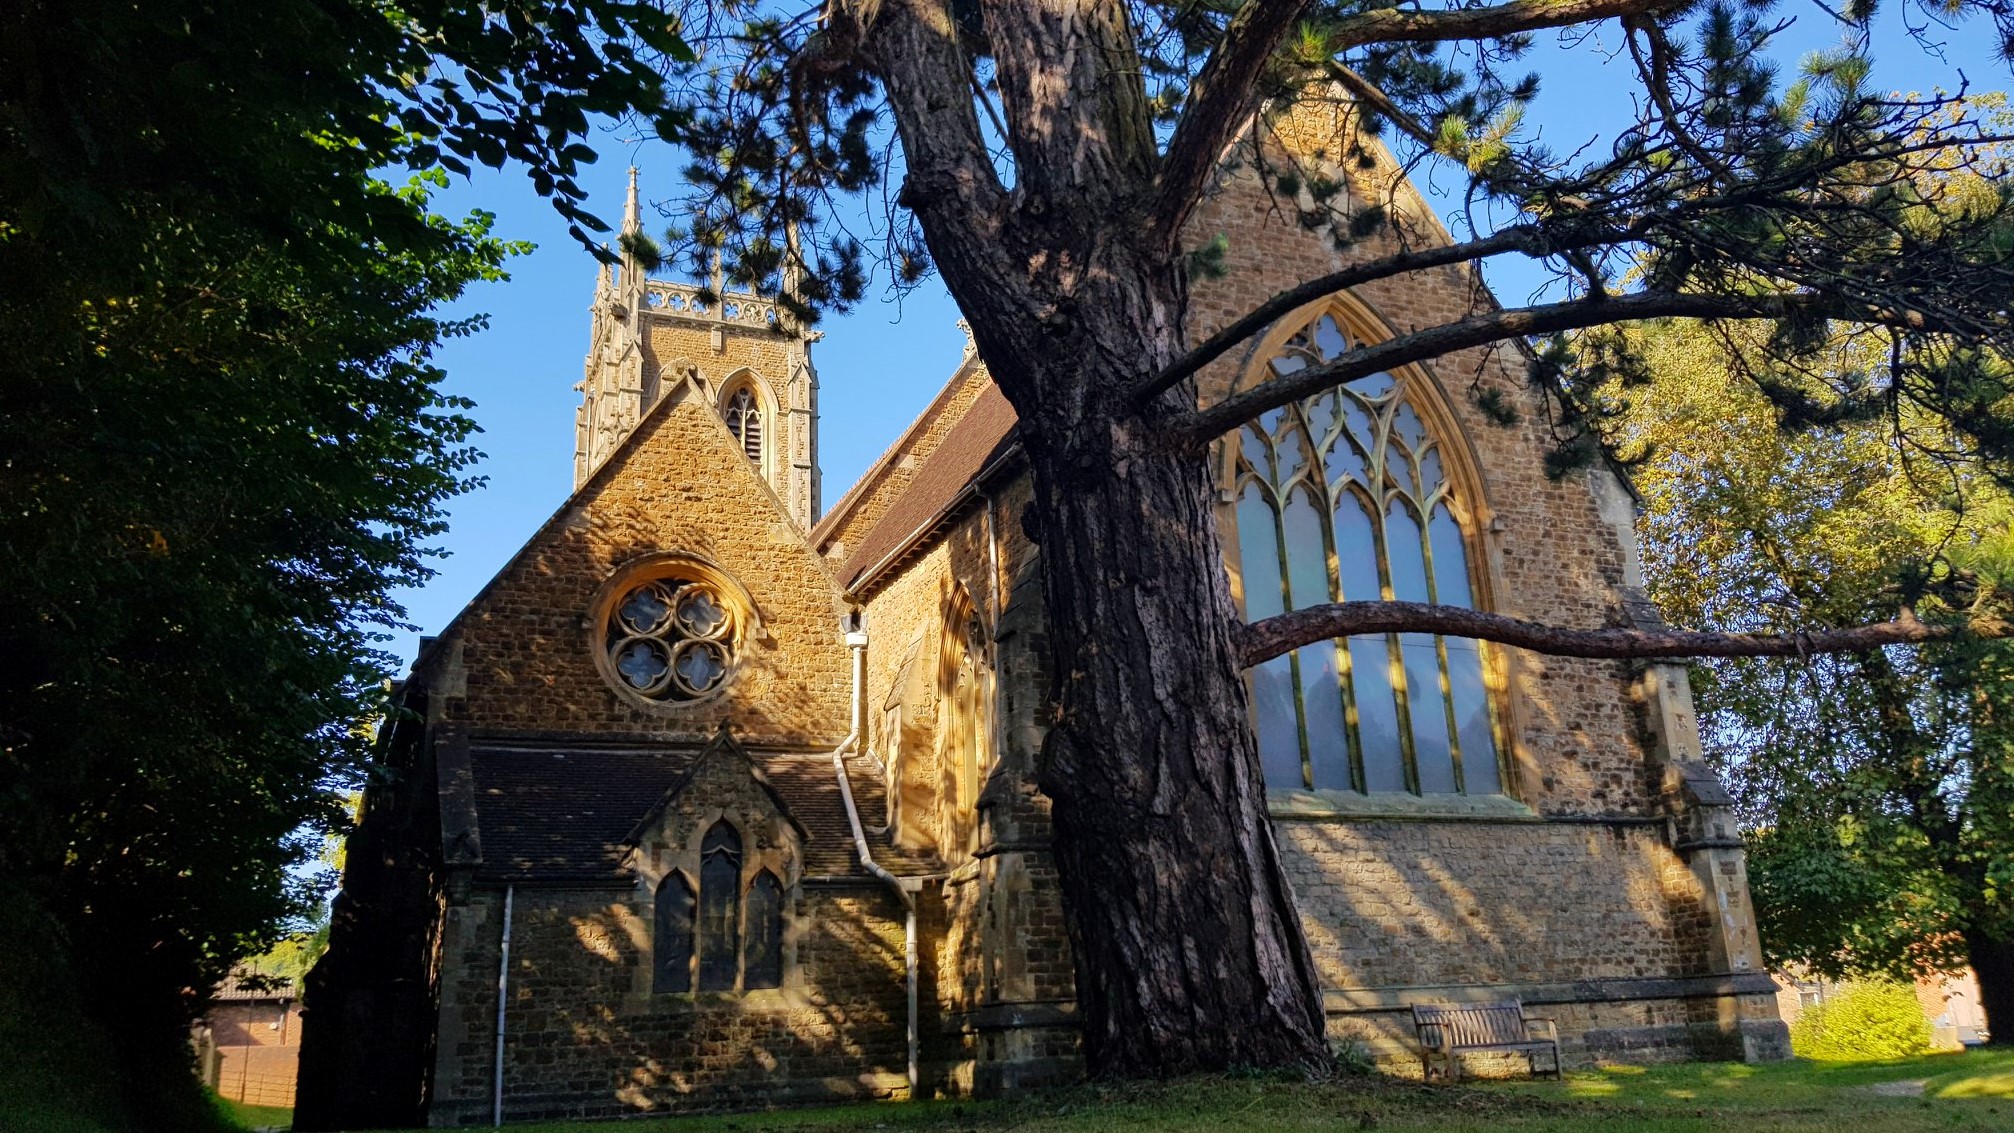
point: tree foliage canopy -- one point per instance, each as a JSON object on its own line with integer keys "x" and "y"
{"x": 222, "y": 442}
{"x": 1877, "y": 786}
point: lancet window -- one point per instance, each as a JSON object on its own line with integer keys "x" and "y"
{"x": 744, "y": 420}
{"x": 729, "y": 936}
{"x": 964, "y": 721}
{"x": 1345, "y": 496}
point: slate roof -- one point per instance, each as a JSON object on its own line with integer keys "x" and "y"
{"x": 562, "y": 812}
{"x": 981, "y": 437}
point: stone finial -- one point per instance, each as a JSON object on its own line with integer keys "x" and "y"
{"x": 971, "y": 346}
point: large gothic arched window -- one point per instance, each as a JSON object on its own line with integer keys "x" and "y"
{"x": 1345, "y": 497}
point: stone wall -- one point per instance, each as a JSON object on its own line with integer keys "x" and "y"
{"x": 718, "y": 354}
{"x": 521, "y": 658}
{"x": 999, "y": 946}
{"x": 581, "y": 1042}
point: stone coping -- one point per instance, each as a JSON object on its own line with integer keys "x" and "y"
{"x": 1366, "y": 1000}
{"x": 1331, "y": 805}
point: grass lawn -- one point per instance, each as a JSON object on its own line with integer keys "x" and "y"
{"x": 1958, "y": 1093}
{"x": 257, "y": 1116}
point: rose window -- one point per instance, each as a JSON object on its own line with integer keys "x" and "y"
{"x": 670, "y": 639}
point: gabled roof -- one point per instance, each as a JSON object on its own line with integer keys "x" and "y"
{"x": 722, "y": 745}
{"x": 565, "y": 811}
{"x": 673, "y": 395}
{"x": 982, "y": 439}
{"x": 915, "y": 442}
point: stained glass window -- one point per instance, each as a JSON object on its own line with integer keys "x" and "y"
{"x": 1344, "y": 497}
{"x": 719, "y": 908}
{"x": 670, "y": 639}
{"x": 672, "y": 935}
{"x": 763, "y": 965}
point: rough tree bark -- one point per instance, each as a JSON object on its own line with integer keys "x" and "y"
{"x": 1188, "y": 951}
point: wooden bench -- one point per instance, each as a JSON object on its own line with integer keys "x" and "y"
{"x": 1449, "y": 1030}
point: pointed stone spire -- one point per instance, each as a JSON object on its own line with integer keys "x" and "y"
{"x": 631, "y": 279}
{"x": 632, "y": 220}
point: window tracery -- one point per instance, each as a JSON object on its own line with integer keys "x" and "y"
{"x": 672, "y": 931}
{"x": 727, "y": 937}
{"x": 670, "y": 639}
{"x": 744, "y": 420}
{"x": 719, "y": 908}
{"x": 1345, "y": 496}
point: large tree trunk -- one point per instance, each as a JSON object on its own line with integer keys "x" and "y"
{"x": 1189, "y": 952}
{"x": 1993, "y": 965}
{"x": 1188, "y": 948}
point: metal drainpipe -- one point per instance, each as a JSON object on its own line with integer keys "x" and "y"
{"x": 856, "y": 641}
{"x": 503, "y": 989}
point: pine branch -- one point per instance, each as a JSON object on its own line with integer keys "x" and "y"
{"x": 1222, "y": 100}
{"x": 1407, "y": 25}
{"x": 1528, "y": 239}
{"x": 1264, "y": 640}
{"x": 1488, "y": 327}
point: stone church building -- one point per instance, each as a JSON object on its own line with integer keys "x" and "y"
{"x": 716, "y": 797}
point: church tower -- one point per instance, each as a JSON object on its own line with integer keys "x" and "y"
{"x": 742, "y": 351}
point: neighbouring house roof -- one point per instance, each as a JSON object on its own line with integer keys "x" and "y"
{"x": 250, "y": 987}
{"x": 982, "y": 438}
{"x": 562, "y": 812}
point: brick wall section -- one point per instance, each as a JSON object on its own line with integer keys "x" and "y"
{"x": 678, "y": 484}
{"x": 1390, "y": 904}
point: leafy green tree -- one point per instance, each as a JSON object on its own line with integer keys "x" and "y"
{"x": 222, "y": 445}
{"x": 1877, "y": 785}
{"x": 1869, "y": 1021}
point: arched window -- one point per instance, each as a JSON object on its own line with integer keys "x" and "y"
{"x": 1345, "y": 497}
{"x": 672, "y": 925}
{"x": 762, "y": 965}
{"x": 744, "y": 420}
{"x": 962, "y": 716}
{"x": 719, "y": 908}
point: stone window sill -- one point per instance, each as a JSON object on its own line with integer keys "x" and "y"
{"x": 707, "y": 1002}
{"x": 1346, "y": 806}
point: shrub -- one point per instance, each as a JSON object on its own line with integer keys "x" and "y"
{"x": 1868, "y": 1022}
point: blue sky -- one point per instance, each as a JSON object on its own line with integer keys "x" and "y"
{"x": 879, "y": 364}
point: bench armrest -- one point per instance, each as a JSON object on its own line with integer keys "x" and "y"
{"x": 1541, "y": 1028}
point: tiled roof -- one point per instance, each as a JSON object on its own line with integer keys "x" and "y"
{"x": 561, "y": 812}
{"x": 914, "y": 442}
{"x": 241, "y": 986}
{"x": 981, "y": 436}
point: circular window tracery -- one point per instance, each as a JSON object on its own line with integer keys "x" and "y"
{"x": 670, "y": 639}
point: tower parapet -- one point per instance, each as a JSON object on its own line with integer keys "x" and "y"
{"x": 743, "y": 351}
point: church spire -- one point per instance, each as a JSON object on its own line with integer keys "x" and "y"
{"x": 631, "y": 280}
{"x": 631, "y": 219}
